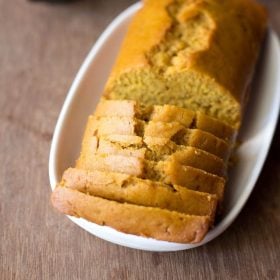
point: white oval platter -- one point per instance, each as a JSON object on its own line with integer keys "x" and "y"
{"x": 256, "y": 134}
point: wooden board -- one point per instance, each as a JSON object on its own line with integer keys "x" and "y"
{"x": 41, "y": 48}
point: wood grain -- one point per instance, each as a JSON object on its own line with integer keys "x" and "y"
{"x": 41, "y": 48}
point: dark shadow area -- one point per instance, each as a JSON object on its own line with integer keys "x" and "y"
{"x": 55, "y": 1}
{"x": 83, "y": 3}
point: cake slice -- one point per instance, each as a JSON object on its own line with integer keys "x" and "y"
{"x": 165, "y": 113}
{"x": 169, "y": 172}
{"x": 174, "y": 131}
{"x": 189, "y": 137}
{"x": 126, "y": 188}
{"x": 152, "y": 150}
{"x": 145, "y": 221}
{"x": 191, "y": 119}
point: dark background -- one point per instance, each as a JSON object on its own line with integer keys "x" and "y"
{"x": 42, "y": 46}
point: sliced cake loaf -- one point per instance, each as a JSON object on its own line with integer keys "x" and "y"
{"x": 154, "y": 154}
{"x": 153, "y": 160}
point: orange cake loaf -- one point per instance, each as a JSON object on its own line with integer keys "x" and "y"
{"x": 154, "y": 156}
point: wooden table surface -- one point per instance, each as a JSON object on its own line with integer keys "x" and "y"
{"x": 41, "y": 48}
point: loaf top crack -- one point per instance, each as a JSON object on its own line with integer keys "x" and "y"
{"x": 195, "y": 54}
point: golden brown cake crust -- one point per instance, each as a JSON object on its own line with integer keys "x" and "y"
{"x": 169, "y": 172}
{"x": 185, "y": 155}
{"x": 174, "y": 131}
{"x": 145, "y": 221}
{"x": 224, "y": 44}
{"x": 164, "y": 114}
{"x": 207, "y": 142}
{"x": 126, "y": 188}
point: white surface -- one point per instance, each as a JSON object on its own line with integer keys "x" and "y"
{"x": 256, "y": 134}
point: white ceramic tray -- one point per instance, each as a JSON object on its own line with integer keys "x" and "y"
{"x": 256, "y": 134}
